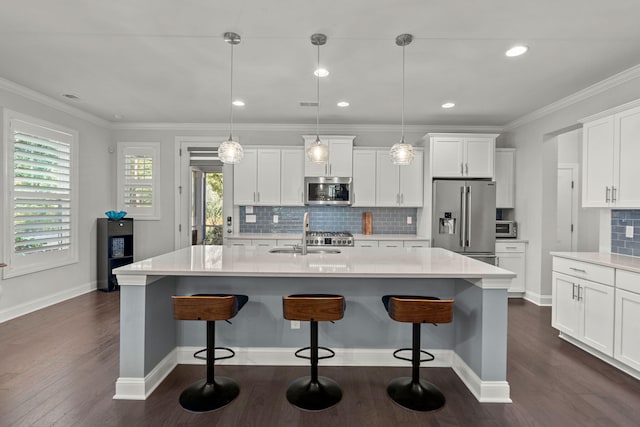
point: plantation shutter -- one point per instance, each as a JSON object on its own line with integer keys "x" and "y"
{"x": 41, "y": 198}
{"x": 138, "y": 178}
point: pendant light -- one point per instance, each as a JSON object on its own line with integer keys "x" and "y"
{"x": 402, "y": 153}
{"x": 318, "y": 152}
{"x": 231, "y": 151}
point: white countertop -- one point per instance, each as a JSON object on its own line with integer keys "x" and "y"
{"x": 351, "y": 263}
{"x": 623, "y": 262}
{"x": 388, "y": 237}
{"x": 294, "y": 236}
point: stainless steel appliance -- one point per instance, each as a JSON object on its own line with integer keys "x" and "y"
{"x": 319, "y": 238}
{"x": 321, "y": 190}
{"x": 506, "y": 229}
{"x": 464, "y": 215}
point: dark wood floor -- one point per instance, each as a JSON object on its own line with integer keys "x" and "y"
{"x": 58, "y": 367}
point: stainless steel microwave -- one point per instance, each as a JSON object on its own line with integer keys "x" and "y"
{"x": 323, "y": 190}
{"x": 508, "y": 229}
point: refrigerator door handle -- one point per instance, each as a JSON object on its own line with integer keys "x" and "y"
{"x": 468, "y": 219}
{"x": 463, "y": 215}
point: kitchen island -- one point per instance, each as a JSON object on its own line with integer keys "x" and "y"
{"x": 152, "y": 343}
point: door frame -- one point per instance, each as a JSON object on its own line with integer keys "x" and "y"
{"x": 574, "y": 167}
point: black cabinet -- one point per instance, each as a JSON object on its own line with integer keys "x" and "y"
{"x": 115, "y": 249}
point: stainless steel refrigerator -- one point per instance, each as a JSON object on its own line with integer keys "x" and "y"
{"x": 464, "y": 217}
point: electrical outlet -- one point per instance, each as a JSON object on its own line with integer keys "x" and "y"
{"x": 629, "y": 232}
{"x": 276, "y": 218}
{"x": 409, "y": 220}
{"x": 250, "y": 219}
{"x": 295, "y": 324}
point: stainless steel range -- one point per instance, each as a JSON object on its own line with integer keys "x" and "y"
{"x": 334, "y": 238}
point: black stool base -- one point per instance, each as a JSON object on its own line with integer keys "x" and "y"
{"x": 420, "y": 396}
{"x": 203, "y": 397}
{"x": 314, "y": 396}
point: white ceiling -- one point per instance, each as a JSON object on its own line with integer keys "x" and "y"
{"x": 166, "y": 61}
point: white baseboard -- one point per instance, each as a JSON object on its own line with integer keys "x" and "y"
{"x": 484, "y": 391}
{"x": 31, "y": 306}
{"x": 141, "y": 388}
{"x": 538, "y": 299}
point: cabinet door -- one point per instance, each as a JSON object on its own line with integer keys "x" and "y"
{"x": 627, "y": 328}
{"x": 364, "y": 178}
{"x": 313, "y": 168}
{"x": 564, "y": 308}
{"x": 626, "y": 155}
{"x": 292, "y": 177}
{"x": 597, "y": 162}
{"x": 479, "y": 154}
{"x": 387, "y": 180}
{"x": 340, "y": 157}
{"x": 268, "y": 177}
{"x": 412, "y": 182}
{"x": 244, "y": 179}
{"x": 513, "y": 262}
{"x": 447, "y": 156}
{"x": 597, "y": 302}
{"x": 505, "y": 172}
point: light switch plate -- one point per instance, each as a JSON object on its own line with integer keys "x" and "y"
{"x": 248, "y": 209}
{"x": 629, "y": 231}
{"x": 295, "y": 324}
{"x": 276, "y": 218}
{"x": 250, "y": 219}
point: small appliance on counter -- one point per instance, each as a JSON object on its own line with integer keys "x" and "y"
{"x": 333, "y": 238}
{"x": 506, "y": 229}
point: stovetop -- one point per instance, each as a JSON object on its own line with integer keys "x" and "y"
{"x": 329, "y": 238}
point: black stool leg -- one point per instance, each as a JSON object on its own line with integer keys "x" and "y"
{"x": 315, "y": 392}
{"x": 414, "y": 393}
{"x": 213, "y": 392}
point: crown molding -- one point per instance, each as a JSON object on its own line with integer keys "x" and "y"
{"x": 302, "y": 128}
{"x": 31, "y": 94}
{"x": 586, "y": 93}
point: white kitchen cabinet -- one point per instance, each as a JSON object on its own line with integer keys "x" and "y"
{"x": 292, "y": 177}
{"x": 390, "y": 244}
{"x": 239, "y": 241}
{"x": 290, "y": 242}
{"x": 610, "y": 152}
{"x": 416, "y": 244}
{"x": 364, "y": 178}
{"x": 582, "y": 308}
{"x": 340, "y": 156}
{"x": 365, "y": 243}
{"x": 512, "y": 256}
{"x": 505, "y": 177}
{"x": 399, "y": 185}
{"x": 268, "y": 243}
{"x": 462, "y": 155}
{"x": 627, "y": 319}
{"x": 236, "y": 242}
{"x": 256, "y": 179}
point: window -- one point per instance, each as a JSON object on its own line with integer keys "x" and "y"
{"x": 138, "y": 177}
{"x": 41, "y": 195}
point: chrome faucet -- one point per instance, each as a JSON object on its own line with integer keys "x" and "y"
{"x": 305, "y": 233}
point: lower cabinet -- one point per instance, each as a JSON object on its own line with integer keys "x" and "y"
{"x": 627, "y": 319}
{"x": 511, "y": 256}
{"x": 249, "y": 242}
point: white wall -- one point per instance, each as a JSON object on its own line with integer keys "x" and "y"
{"x": 529, "y": 139}
{"x": 26, "y": 293}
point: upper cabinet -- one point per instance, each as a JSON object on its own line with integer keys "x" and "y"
{"x": 256, "y": 179}
{"x": 610, "y": 151}
{"x": 458, "y": 155}
{"x": 340, "y": 156}
{"x": 399, "y": 185}
{"x": 292, "y": 177}
{"x": 505, "y": 177}
{"x": 363, "y": 189}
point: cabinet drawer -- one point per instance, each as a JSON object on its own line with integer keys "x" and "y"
{"x": 416, "y": 244}
{"x": 390, "y": 243}
{"x": 510, "y": 247}
{"x": 365, "y": 243}
{"x": 289, "y": 242}
{"x": 585, "y": 270}
{"x": 263, "y": 242}
{"x": 119, "y": 228}
{"x": 628, "y": 281}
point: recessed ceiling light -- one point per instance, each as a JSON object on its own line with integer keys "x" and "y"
{"x": 238, "y": 103}
{"x": 70, "y": 96}
{"x": 321, "y": 72}
{"x": 343, "y": 104}
{"x": 517, "y": 50}
{"x": 448, "y": 105}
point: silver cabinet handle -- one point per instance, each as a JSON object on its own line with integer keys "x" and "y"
{"x": 330, "y": 169}
{"x": 254, "y": 196}
{"x": 466, "y": 167}
{"x": 578, "y": 269}
{"x": 614, "y": 190}
{"x": 461, "y": 169}
{"x": 573, "y": 291}
{"x": 607, "y": 199}
{"x": 497, "y": 261}
{"x": 397, "y": 198}
{"x": 579, "y": 293}
{"x": 258, "y": 197}
{"x": 511, "y": 247}
{"x": 402, "y": 198}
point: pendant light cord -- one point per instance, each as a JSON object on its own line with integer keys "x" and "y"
{"x": 318, "y": 98}
{"x": 402, "y": 129}
{"x": 231, "y": 99}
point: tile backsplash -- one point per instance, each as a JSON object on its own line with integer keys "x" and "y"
{"x": 620, "y": 220}
{"x": 328, "y": 218}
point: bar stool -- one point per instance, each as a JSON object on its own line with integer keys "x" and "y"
{"x": 214, "y": 392}
{"x": 313, "y": 392}
{"x": 412, "y": 392}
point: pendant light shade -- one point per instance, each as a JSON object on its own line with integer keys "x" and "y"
{"x": 231, "y": 151}
{"x": 318, "y": 152}
{"x": 402, "y": 153}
